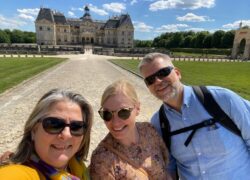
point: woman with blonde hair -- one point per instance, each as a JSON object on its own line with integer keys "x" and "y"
{"x": 56, "y": 140}
{"x": 131, "y": 150}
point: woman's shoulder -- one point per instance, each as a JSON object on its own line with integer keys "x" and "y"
{"x": 146, "y": 128}
{"x": 101, "y": 150}
{"x": 16, "y": 171}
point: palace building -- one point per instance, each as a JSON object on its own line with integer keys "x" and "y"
{"x": 53, "y": 28}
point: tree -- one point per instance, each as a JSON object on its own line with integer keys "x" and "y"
{"x": 228, "y": 39}
{"x": 176, "y": 40}
{"x": 207, "y": 42}
{"x": 16, "y": 36}
{"x": 200, "y": 39}
{"x": 4, "y": 37}
{"x": 216, "y": 40}
{"x": 29, "y": 37}
{"x": 187, "y": 41}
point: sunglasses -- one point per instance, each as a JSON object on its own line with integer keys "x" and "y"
{"x": 123, "y": 113}
{"x": 53, "y": 125}
{"x": 162, "y": 73}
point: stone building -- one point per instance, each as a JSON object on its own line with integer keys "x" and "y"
{"x": 53, "y": 28}
{"x": 241, "y": 46}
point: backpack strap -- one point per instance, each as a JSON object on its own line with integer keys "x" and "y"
{"x": 212, "y": 107}
{"x": 165, "y": 127}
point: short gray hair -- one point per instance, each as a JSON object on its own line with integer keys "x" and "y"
{"x": 149, "y": 58}
{"x": 26, "y": 146}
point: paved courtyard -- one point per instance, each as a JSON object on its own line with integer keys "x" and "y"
{"x": 87, "y": 74}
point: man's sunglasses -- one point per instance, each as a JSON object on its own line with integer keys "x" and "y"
{"x": 159, "y": 74}
{"x": 53, "y": 125}
{"x": 123, "y": 113}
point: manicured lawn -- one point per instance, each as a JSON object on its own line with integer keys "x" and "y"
{"x": 232, "y": 75}
{"x": 15, "y": 70}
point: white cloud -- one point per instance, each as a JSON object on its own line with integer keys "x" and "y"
{"x": 142, "y": 27}
{"x": 195, "y": 29}
{"x": 171, "y": 28}
{"x": 26, "y": 17}
{"x": 236, "y": 24}
{"x": 133, "y": 2}
{"x": 10, "y": 23}
{"x": 183, "y": 4}
{"x": 92, "y": 8}
{"x": 190, "y": 17}
{"x": 33, "y": 12}
{"x": 98, "y": 11}
{"x": 71, "y": 14}
{"x": 28, "y": 14}
{"x": 115, "y": 7}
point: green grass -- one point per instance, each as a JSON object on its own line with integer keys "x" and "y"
{"x": 232, "y": 75}
{"x": 15, "y": 70}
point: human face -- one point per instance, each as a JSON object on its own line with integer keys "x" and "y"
{"x": 57, "y": 149}
{"x": 166, "y": 88}
{"x": 122, "y": 130}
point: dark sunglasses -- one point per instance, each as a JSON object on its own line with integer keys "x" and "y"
{"x": 123, "y": 113}
{"x": 159, "y": 74}
{"x": 53, "y": 125}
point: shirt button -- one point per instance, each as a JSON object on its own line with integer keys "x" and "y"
{"x": 203, "y": 172}
{"x": 199, "y": 154}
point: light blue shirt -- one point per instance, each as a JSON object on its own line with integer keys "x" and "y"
{"x": 214, "y": 153}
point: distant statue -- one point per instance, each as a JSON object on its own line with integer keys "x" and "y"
{"x": 240, "y": 26}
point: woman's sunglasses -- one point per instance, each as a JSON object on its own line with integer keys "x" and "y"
{"x": 53, "y": 125}
{"x": 123, "y": 113}
{"x": 162, "y": 73}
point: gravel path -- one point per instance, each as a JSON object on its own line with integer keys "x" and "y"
{"x": 87, "y": 74}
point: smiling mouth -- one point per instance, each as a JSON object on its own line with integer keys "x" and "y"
{"x": 61, "y": 148}
{"x": 119, "y": 129}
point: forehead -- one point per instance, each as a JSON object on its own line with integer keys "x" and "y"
{"x": 118, "y": 100}
{"x": 154, "y": 66}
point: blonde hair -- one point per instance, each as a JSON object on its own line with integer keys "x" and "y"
{"x": 120, "y": 86}
{"x": 26, "y": 147}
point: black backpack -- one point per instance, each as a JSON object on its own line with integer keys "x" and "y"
{"x": 207, "y": 100}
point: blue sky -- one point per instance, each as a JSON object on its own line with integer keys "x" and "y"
{"x": 150, "y": 17}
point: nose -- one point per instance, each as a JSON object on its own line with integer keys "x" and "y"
{"x": 157, "y": 80}
{"x": 65, "y": 134}
{"x": 115, "y": 119}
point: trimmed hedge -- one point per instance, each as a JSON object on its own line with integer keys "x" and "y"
{"x": 203, "y": 51}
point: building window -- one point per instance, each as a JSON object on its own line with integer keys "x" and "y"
{"x": 48, "y": 28}
{"x": 59, "y": 40}
{"x": 123, "y": 32}
{"x": 65, "y": 30}
{"x": 40, "y": 28}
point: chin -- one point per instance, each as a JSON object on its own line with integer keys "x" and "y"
{"x": 60, "y": 162}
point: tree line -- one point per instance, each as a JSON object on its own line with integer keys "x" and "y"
{"x": 190, "y": 39}
{"x": 17, "y": 36}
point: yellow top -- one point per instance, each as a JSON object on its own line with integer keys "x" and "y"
{"x": 19, "y": 172}
{"x": 23, "y": 172}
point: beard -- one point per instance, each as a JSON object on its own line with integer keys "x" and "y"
{"x": 169, "y": 93}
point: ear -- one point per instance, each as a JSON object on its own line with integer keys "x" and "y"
{"x": 138, "y": 108}
{"x": 177, "y": 72}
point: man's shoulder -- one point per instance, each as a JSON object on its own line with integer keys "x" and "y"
{"x": 16, "y": 171}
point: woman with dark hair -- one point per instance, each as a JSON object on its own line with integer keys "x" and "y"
{"x": 56, "y": 140}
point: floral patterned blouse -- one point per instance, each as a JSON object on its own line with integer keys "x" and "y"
{"x": 150, "y": 153}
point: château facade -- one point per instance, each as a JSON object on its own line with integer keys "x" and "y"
{"x": 53, "y": 28}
